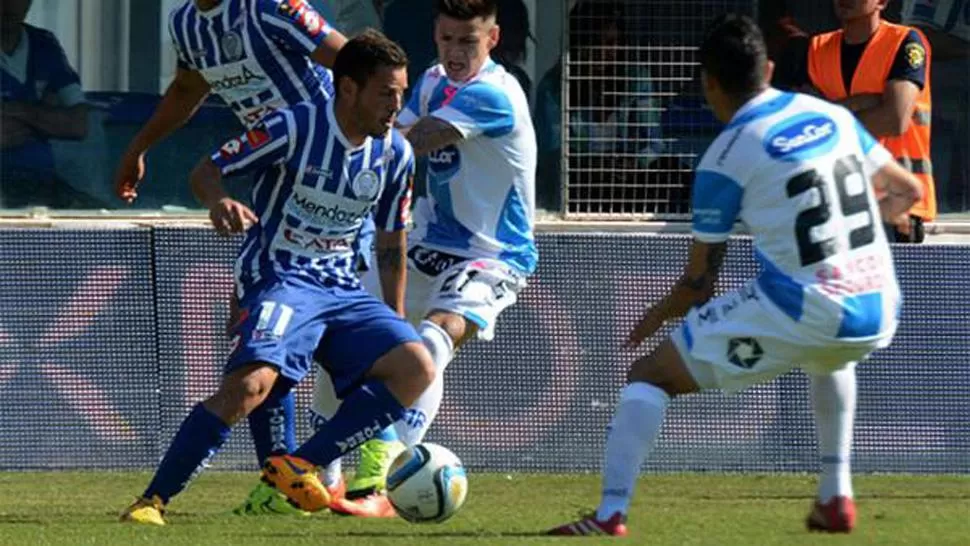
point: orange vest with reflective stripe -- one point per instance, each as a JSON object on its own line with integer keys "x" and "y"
{"x": 912, "y": 148}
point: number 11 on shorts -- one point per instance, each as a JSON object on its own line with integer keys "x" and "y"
{"x": 273, "y": 319}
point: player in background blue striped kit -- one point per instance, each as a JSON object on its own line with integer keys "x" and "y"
{"x": 258, "y": 56}
{"x": 322, "y": 171}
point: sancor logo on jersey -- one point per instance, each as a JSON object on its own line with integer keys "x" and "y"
{"x": 444, "y": 163}
{"x": 801, "y": 137}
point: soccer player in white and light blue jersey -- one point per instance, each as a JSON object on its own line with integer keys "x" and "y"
{"x": 322, "y": 170}
{"x": 473, "y": 244}
{"x": 812, "y": 187}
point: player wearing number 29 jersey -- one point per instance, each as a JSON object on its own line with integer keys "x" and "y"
{"x": 812, "y": 187}
{"x": 795, "y": 170}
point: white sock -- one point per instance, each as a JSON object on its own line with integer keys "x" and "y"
{"x": 633, "y": 432}
{"x": 333, "y": 472}
{"x": 323, "y": 406}
{"x": 834, "y": 400}
{"x": 414, "y": 426}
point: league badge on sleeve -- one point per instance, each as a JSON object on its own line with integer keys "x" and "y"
{"x": 231, "y": 148}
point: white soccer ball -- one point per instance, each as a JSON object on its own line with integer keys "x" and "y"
{"x": 427, "y": 484}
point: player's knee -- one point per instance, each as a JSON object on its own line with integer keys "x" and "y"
{"x": 663, "y": 368}
{"x": 241, "y": 392}
{"x": 456, "y": 326}
{"x": 408, "y": 371}
{"x": 419, "y": 367}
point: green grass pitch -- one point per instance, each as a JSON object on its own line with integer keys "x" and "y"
{"x": 75, "y": 508}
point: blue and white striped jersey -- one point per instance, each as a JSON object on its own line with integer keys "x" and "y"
{"x": 254, "y": 53}
{"x": 796, "y": 171}
{"x": 313, "y": 193}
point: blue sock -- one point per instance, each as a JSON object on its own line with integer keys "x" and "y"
{"x": 363, "y": 415}
{"x": 273, "y": 423}
{"x": 199, "y": 438}
{"x": 389, "y": 434}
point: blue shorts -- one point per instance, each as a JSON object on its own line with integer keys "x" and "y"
{"x": 287, "y": 320}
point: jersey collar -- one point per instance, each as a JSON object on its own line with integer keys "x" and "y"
{"x": 210, "y": 13}
{"x": 763, "y": 104}
{"x": 338, "y": 132}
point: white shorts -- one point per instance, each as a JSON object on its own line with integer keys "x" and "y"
{"x": 736, "y": 340}
{"x": 477, "y": 289}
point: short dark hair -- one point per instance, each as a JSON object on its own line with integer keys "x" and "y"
{"x": 466, "y": 10}
{"x": 734, "y": 53}
{"x": 363, "y": 54}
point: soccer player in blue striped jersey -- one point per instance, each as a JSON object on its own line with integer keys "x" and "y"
{"x": 321, "y": 171}
{"x": 257, "y": 55}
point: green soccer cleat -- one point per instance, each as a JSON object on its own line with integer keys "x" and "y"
{"x": 371, "y": 476}
{"x": 265, "y": 500}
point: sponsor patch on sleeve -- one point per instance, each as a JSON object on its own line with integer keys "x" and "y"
{"x": 291, "y": 8}
{"x": 257, "y": 137}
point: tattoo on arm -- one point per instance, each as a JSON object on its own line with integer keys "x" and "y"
{"x": 430, "y": 134}
{"x": 390, "y": 259}
{"x": 705, "y": 281}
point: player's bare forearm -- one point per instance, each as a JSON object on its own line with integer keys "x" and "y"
{"x": 67, "y": 123}
{"x": 180, "y": 102}
{"x": 430, "y": 134}
{"x": 206, "y": 183}
{"x": 694, "y": 287}
{"x": 392, "y": 266}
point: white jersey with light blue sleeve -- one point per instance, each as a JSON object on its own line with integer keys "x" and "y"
{"x": 481, "y": 192}
{"x": 796, "y": 171}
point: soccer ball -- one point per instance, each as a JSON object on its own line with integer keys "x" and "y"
{"x": 427, "y": 484}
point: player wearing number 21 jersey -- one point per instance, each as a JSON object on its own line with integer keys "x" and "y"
{"x": 812, "y": 186}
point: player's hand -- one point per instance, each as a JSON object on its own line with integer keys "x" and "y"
{"x": 130, "y": 173}
{"x": 903, "y": 224}
{"x": 646, "y": 327}
{"x": 229, "y": 216}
